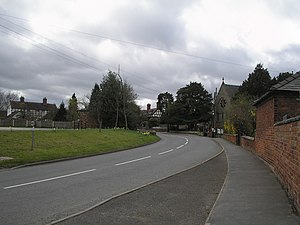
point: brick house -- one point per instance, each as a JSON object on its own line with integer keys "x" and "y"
{"x": 277, "y": 138}
{"x": 222, "y": 101}
{"x": 31, "y": 110}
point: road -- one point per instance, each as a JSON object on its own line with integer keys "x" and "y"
{"x": 44, "y": 193}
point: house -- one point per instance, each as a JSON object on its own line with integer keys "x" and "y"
{"x": 150, "y": 116}
{"x": 31, "y": 110}
{"x": 222, "y": 101}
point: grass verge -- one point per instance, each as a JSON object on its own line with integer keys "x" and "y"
{"x": 59, "y": 144}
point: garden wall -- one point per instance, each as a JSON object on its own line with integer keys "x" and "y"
{"x": 279, "y": 145}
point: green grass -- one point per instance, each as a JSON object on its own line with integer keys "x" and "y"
{"x": 59, "y": 144}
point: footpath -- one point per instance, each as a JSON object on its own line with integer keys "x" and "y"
{"x": 251, "y": 195}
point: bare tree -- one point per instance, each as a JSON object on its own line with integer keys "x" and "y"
{"x": 5, "y": 98}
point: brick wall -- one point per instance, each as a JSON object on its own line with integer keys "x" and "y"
{"x": 286, "y": 157}
{"x": 86, "y": 120}
{"x": 287, "y": 104}
{"x": 279, "y": 143}
{"x": 248, "y": 143}
{"x": 230, "y": 137}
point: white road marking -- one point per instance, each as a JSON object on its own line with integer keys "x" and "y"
{"x": 131, "y": 161}
{"x": 187, "y": 141}
{"x": 49, "y": 179}
{"x": 161, "y": 153}
{"x": 180, "y": 146}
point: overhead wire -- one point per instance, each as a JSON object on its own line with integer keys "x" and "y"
{"x": 65, "y": 55}
{"x": 142, "y": 45}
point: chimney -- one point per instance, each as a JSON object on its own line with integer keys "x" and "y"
{"x": 45, "y": 101}
{"x": 148, "y": 107}
{"x": 22, "y": 99}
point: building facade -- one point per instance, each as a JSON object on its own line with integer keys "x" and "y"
{"x": 222, "y": 101}
{"x": 31, "y": 110}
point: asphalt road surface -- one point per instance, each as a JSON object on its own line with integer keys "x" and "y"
{"x": 45, "y": 193}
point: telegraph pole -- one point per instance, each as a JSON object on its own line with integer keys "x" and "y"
{"x": 124, "y": 102}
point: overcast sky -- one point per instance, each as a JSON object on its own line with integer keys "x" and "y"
{"x": 55, "y": 48}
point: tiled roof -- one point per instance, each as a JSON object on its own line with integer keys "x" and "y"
{"x": 292, "y": 83}
{"x": 231, "y": 89}
{"x": 32, "y": 106}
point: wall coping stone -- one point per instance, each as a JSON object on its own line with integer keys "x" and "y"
{"x": 290, "y": 120}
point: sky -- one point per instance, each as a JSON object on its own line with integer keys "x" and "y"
{"x": 56, "y": 48}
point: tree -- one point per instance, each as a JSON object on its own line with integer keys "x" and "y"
{"x": 61, "y": 114}
{"x": 240, "y": 117}
{"x": 73, "y": 108}
{"x": 5, "y": 98}
{"x": 193, "y": 105}
{"x": 112, "y": 98}
{"x": 164, "y": 102}
{"x": 258, "y": 82}
{"x": 95, "y": 105}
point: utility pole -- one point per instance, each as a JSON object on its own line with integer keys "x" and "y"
{"x": 124, "y": 102}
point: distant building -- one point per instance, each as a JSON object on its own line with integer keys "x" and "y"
{"x": 283, "y": 100}
{"x": 31, "y": 110}
{"x": 222, "y": 101}
{"x": 150, "y": 116}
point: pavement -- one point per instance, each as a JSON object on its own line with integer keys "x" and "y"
{"x": 249, "y": 195}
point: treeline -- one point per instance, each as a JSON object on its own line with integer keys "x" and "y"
{"x": 192, "y": 106}
{"x": 240, "y": 116}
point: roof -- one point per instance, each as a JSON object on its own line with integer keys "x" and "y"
{"x": 150, "y": 112}
{"x": 292, "y": 83}
{"x": 230, "y": 89}
{"x": 32, "y": 106}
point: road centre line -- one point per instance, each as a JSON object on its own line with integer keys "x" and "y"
{"x": 161, "y": 153}
{"x": 180, "y": 146}
{"x": 134, "y": 160}
{"x": 49, "y": 179}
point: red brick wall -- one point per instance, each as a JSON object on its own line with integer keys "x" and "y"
{"x": 230, "y": 137}
{"x": 286, "y": 157}
{"x": 86, "y": 120}
{"x": 279, "y": 145}
{"x": 248, "y": 143}
{"x": 287, "y": 104}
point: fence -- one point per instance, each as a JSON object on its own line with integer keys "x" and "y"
{"x": 42, "y": 124}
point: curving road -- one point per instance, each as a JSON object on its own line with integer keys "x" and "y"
{"x": 45, "y": 193}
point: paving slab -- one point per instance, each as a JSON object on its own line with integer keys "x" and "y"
{"x": 251, "y": 195}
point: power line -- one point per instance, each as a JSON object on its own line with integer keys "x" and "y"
{"x": 51, "y": 50}
{"x": 142, "y": 45}
{"x": 63, "y": 54}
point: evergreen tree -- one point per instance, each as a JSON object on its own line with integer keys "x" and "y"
{"x": 95, "y": 107}
{"x": 108, "y": 100}
{"x": 73, "y": 108}
{"x": 258, "y": 82}
{"x": 61, "y": 114}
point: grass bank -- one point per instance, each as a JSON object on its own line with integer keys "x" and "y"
{"x": 59, "y": 144}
